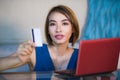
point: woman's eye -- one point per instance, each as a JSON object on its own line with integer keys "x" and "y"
{"x": 65, "y": 23}
{"x": 52, "y": 24}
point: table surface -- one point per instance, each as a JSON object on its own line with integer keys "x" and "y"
{"x": 50, "y": 75}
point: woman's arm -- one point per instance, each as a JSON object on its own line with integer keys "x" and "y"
{"x": 20, "y": 57}
{"x": 9, "y": 62}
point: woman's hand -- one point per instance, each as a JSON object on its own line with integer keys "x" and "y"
{"x": 25, "y": 50}
{"x": 21, "y": 56}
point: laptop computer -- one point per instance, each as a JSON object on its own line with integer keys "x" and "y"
{"x": 96, "y": 57}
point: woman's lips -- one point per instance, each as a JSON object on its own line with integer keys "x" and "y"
{"x": 59, "y": 37}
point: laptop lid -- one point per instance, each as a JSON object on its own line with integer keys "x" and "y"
{"x": 98, "y": 56}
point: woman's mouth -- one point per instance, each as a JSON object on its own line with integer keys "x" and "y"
{"x": 59, "y": 37}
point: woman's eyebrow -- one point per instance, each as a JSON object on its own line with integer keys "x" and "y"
{"x": 52, "y": 21}
{"x": 65, "y": 20}
{"x": 61, "y": 20}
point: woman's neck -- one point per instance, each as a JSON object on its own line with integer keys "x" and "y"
{"x": 60, "y": 49}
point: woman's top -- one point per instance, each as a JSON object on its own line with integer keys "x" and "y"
{"x": 44, "y": 61}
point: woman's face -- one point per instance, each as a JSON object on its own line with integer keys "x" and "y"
{"x": 60, "y": 28}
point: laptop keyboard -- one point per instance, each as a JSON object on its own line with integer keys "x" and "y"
{"x": 65, "y": 72}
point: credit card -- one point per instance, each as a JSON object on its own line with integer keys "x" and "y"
{"x": 37, "y": 37}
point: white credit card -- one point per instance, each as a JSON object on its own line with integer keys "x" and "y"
{"x": 37, "y": 37}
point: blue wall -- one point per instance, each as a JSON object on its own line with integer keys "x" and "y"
{"x": 103, "y": 19}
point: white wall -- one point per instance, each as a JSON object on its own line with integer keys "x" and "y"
{"x": 17, "y": 17}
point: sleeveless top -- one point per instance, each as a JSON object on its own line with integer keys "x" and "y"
{"x": 44, "y": 61}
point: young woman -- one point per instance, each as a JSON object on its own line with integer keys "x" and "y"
{"x": 61, "y": 28}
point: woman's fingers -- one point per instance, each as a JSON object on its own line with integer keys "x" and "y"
{"x": 25, "y": 50}
{"x": 26, "y": 45}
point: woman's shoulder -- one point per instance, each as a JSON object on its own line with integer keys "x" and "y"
{"x": 43, "y": 46}
{"x": 76, "y": 50}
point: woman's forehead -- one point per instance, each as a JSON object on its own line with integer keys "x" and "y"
{"x": 57, "y": 16}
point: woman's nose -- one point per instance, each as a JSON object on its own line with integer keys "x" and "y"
{"x": 58, "y": 28}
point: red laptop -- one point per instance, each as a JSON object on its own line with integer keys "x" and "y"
{"x": 96, "y": 56}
